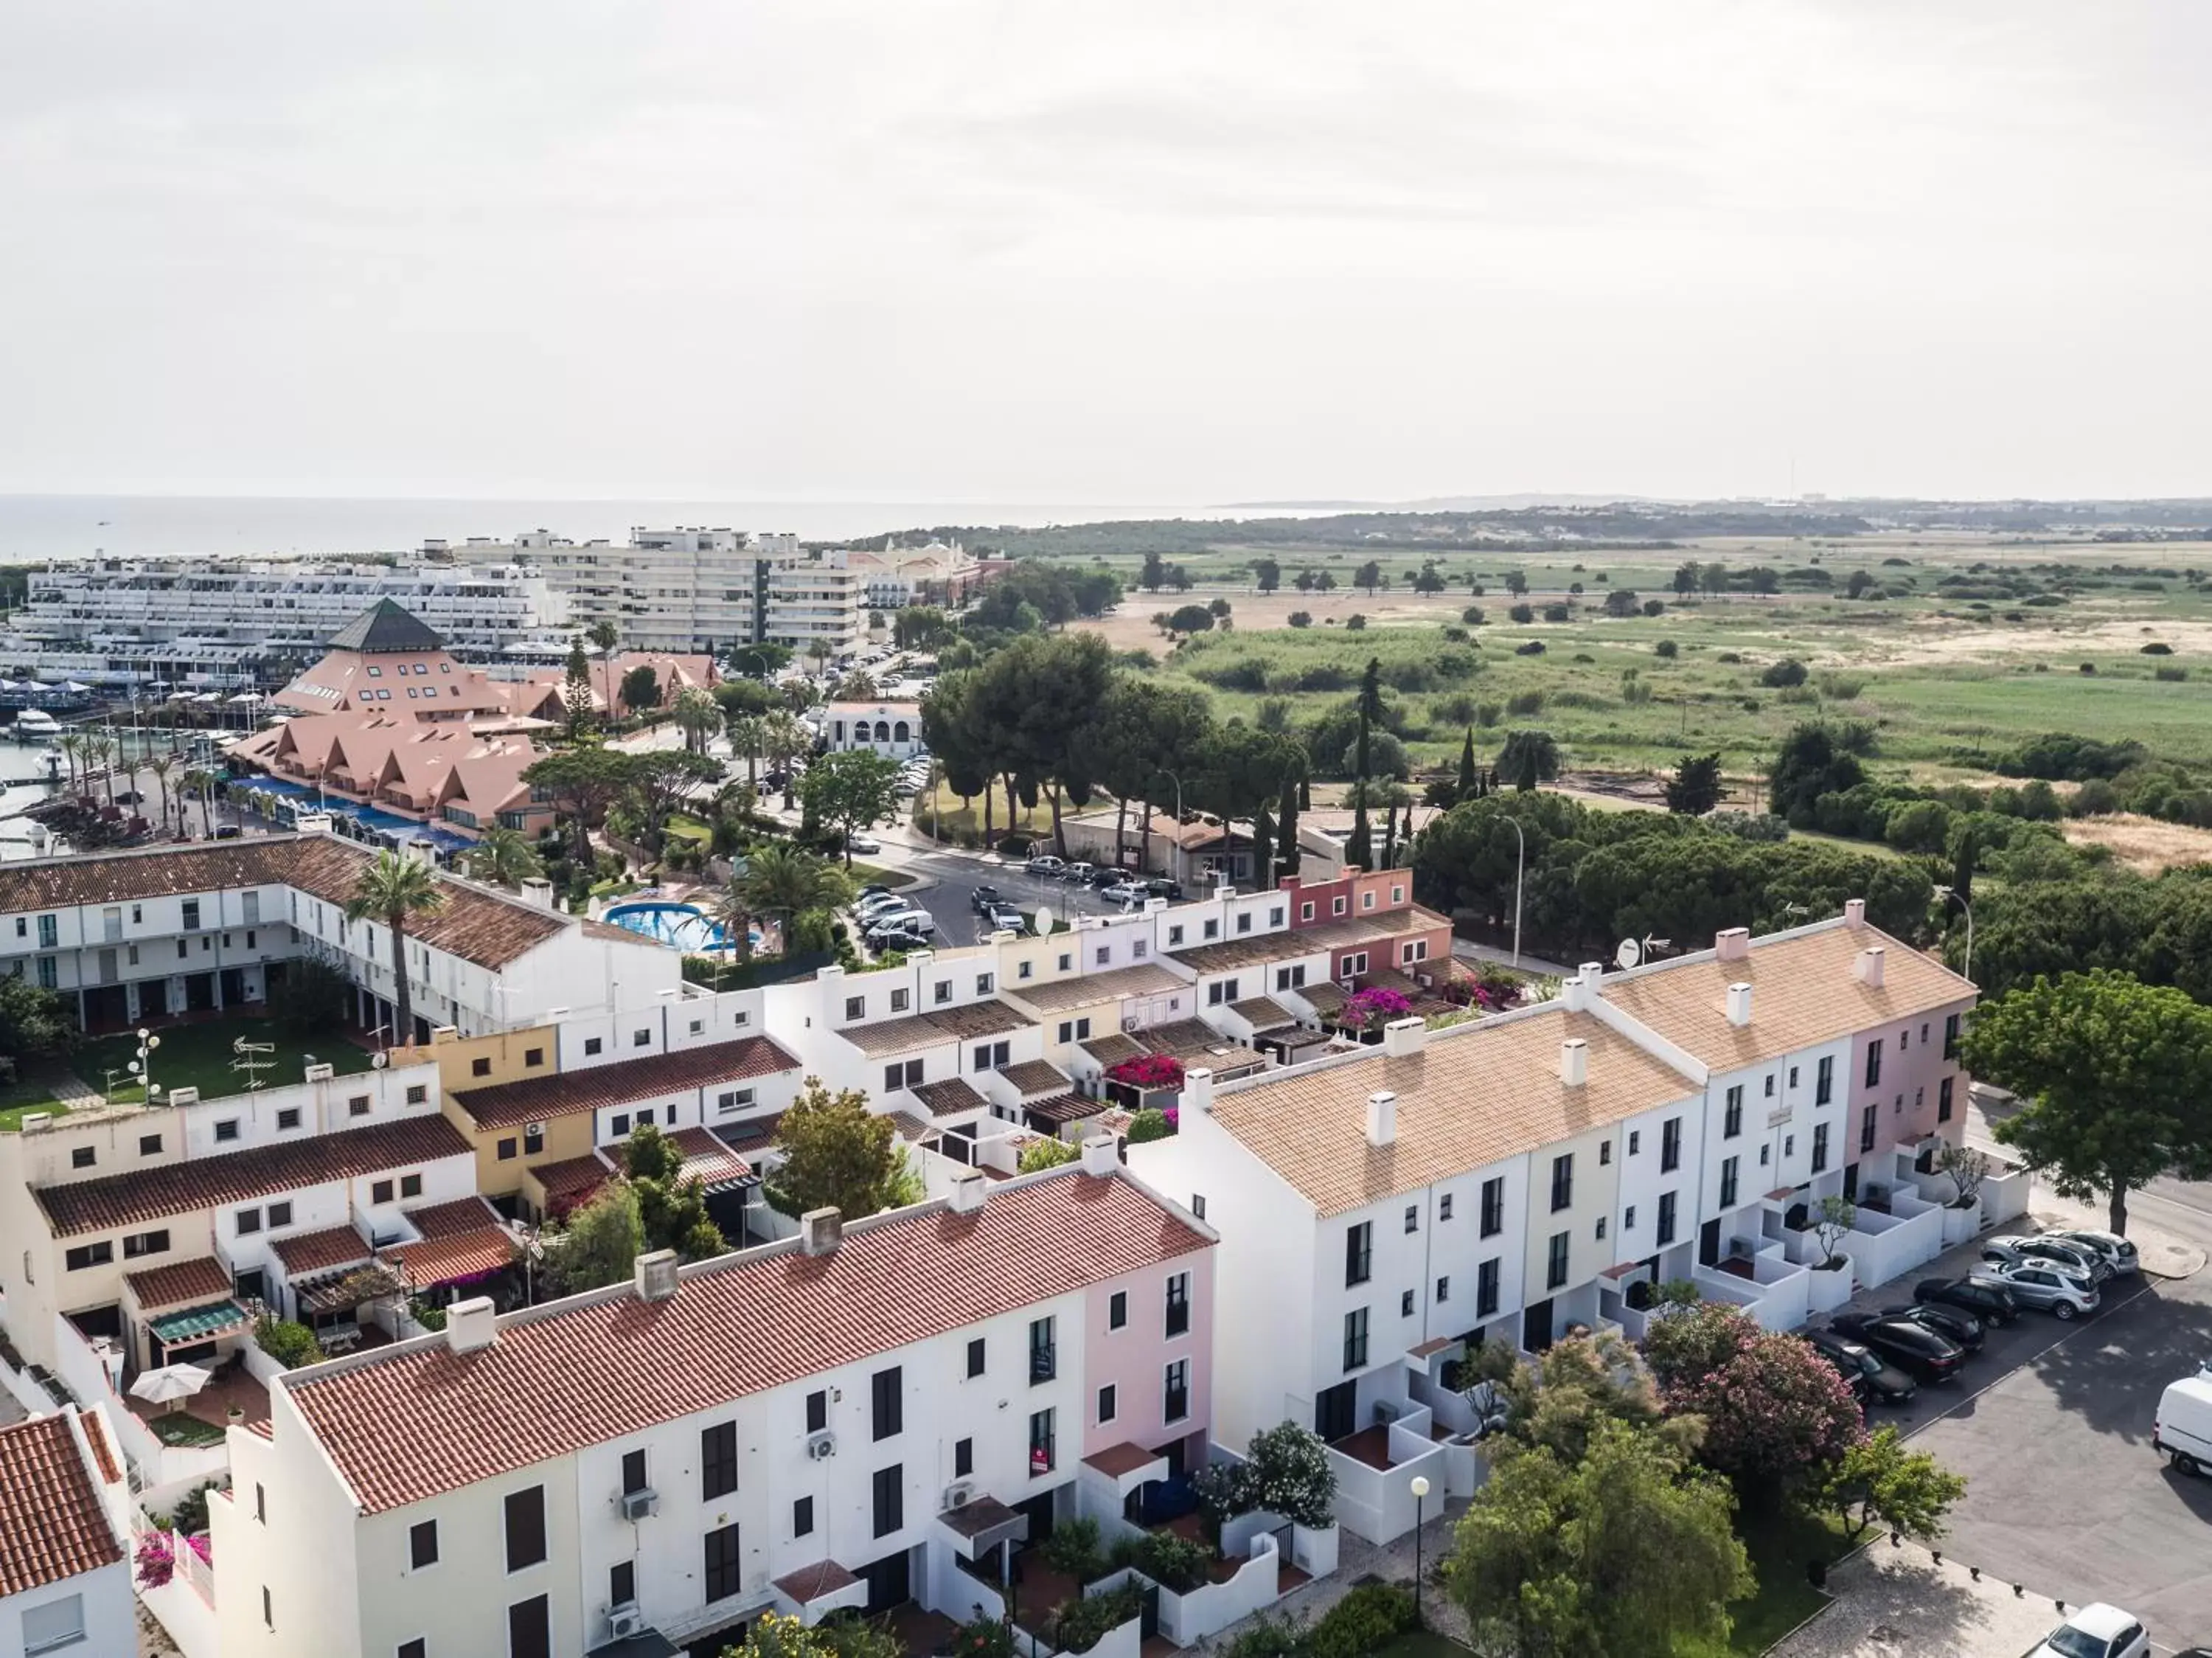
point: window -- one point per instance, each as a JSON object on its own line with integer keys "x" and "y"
{"x": 1443, "y": 1290}
{"x": 1337, "y": 905}
{"x": 1485, "y": 1290}
{"x": 1770, "y": 1085}
{"x": 1493, "y": 1206}
{"x": 1212, "y": 929}
{"x": 1137, "y": 948}
{"x": 533, "y": 1139}
{"x": 964, "y": 1458}
{"x": 592, "y": 1046}
{"x": 1066, "y": 962}
{"x": 1820, "y": 1147}
{"x": 1604, "y": 1153}
{"x": 1412, "y": 1217}
{"x": 480, "y": 1066}
{"x": 1628, "y": 1218}
{"x": 226, "y": 1128}
{"x": 1306, "y": 911}
{"x": 1943, "y": 1099}
{"x": 533, "y": 1056}
{"x": 641, "y": 1039}
{"x": 411, "y": 1186}
{"x": 1562, "y": 1182}
{"x": 422, "y": 1545}
{"x": 983, "y": 983}
{"x": 1728, "y": 1181}
{"x": 1044, "y": 1447}
{"x": 1732, "y": 1118}
{"x": 943, "y": 991}
{"x": 247, "y": 1220}
{"x": 146, "y": 1243}
{"x": 1198, "y": 1206}
{"x": 1244, "y": 921}
{"x": 85, "y": 1255}
{"x": 149, "y": 1145}
{"x": 1106, "y": 1403}
{"x": 1870, "y": 1125}
{"x": 1355, "y": 1340}
{"x": 889, "y": 1503}
{"x": 1175, "y": 1403}
{"x": 899, "y": 1074}
{"x": 802, "y": 1517}
{"x": 621, "y": 1582}
{"x": 191, "y": 919}
{"x": 900, "y": 998}
{"x": 1670, "y": 1145}
{"x": 1359, "y": 1253}
{"x": 1405, "y": 1303}
{"x": 988, "y": 1054}
{"x": 357, "y": 1105}
{"x": 1873, "y": 1062}
{"x": 1555, "y": 1262}
{"x": 526, "y": 1529}
{"x": 1117, "y": 1309}
{"x": 633, "y": 1471}
{"x": 1175, "y": 935}
{"x": 1290, "y": 978}
{"x": 1789, "y": 1148}
{"x": 280, "y": 1215}
{"x": 1044, "y": 1361}
{"x": 414, "y": 1649}
{"x": 1354, "y": 965}
{"x": 1103, "y": 955}
{"x": 418, "y": 1092}
{"x": 1666, "y": 1230}
{"x": 288, "y": 1117}
{"x": 1904, "y": 1039}
{"x": 1367, "y": 900}
{"x": 618, "y": 1125}
{"x": 1215, "y": 994}
{"x": 1823, "y": 1081}
{"x": 1793, "y": 1076}
{"x": 722, "y": 1562}
{"x": 818, "y": 1411}
{"x": 887, "y": 1403}
{"x": 1950, "y": 1036}
{"x": 82, "y": 1157}
{"x": 856, "y": 1007}
{"x": 506, "y": 1149}
{"x": 975, "y": 1356}
{"x": 1600, "y": 1228}
{"x": 1444, "y": 1207}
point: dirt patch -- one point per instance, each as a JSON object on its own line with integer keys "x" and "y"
{"x": 2147, "y": 846}
{"x": 1938, "y": 639}
{"x": 1130, "y": 627}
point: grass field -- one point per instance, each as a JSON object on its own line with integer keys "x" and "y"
{"x": 200, "y": 1056}
{"x": 28, "y": 1095}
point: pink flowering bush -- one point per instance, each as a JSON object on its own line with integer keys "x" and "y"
{"x": 1147, "y": 1071}
{"x": 1369, "y": 1007}
{"x": 1774, "y": 1409}
{"x": 156, "y": 1559}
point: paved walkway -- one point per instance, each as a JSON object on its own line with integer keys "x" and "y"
{"x": 1903, "y": 1602}
{"x": 1357, "y": 1559}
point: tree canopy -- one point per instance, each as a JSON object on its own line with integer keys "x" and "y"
{"x": 837, "y": 1154}
{"x": 850, "y": 791}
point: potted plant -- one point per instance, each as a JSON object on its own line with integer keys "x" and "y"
{"x": 1965, "y": 1168}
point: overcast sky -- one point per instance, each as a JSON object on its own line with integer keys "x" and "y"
{"x": 1201, "y": 251}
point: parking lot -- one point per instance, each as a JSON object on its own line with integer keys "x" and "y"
{"x": 950, "y": 897}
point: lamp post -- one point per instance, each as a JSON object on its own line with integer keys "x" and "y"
{"x": 1951, "y": 893}
{"x": 1421, "y": 1490}
{"x": 142, "y": 1066}
{"x": 1520, "y": 870}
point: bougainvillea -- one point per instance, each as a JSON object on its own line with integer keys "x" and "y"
{"x": 156, "y": 1559}
{"x": 1375, "y": 1006}
{"x": 1147, "y": 1071}
{"x": 1774, "y": 1409}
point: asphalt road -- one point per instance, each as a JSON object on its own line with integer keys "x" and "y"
{"x": 952, "y": 879}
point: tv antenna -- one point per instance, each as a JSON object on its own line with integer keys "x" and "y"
{"x": 253, "y": 1059}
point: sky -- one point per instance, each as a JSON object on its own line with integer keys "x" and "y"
{"x": 1027, "y": 251}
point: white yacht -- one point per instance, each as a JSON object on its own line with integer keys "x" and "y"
{"x": 36, "y": 725}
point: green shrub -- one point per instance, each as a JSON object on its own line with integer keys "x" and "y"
{"x": 1074, "y": 1548}
{"x": 1667, "y": 648}
{"x": 1367, "y": 1618}
{"x": 1149, "y": 1124}
{"x": 1300, "y": 619}
{"x": 1268, "y": 1636}
{"x": 1472, "y": 616}
{"x": 291, "y": 1344}
{"x": 2169, "y": 675}
{"x": 1083, "y": 1623}
{"x": 1729, "y": 657}
{"x": 1532, "y": 647}
{"x": 1046, "y": 1153}
{"x": 1355, "y": 623}
{"x": 429, "y": 1317}
{"x": 1174, "y": 1562}
{"x": 1525, "y": 702}
{"x": 1487, "y": 715}
{"x": 189, "y": 1517}
{"x": 1522, "y": 613}
{"x": 1787, "y": 672}
{"x": 1557, "y": 613}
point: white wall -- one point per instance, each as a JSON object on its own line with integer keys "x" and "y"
{"x": 109, "y": 1611}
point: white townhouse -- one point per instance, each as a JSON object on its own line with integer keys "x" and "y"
{"x": 65, "y": 1510}
{"x": 882, "y": 727}
{"x": 794, "y": 1427}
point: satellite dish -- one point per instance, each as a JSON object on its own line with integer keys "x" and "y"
{"x": 1629, "y": 953}
{"x": 379, "y": 1060}
{"x": 1042, "y": 919}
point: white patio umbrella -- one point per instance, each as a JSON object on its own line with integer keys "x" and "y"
{"x": 170, "y": 1385}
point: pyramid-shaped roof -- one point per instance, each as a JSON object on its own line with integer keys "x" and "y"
{"x": 385, "y": 626}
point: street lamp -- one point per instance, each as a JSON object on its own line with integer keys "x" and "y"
{"x": 1520, "y": 870}
{"x": 1421, "y": 1490}
{"x": 1952, "y": 894}
{"x": 142, "y": 1066}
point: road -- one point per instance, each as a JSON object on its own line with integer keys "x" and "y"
{"x": 953, "y": 878}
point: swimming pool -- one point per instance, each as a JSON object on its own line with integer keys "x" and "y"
{"x": 684, "y": 927}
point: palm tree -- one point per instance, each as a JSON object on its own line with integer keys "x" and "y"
{"x": 606, "y": 636}
{"x": 201, "y": 782}
{"x": 784, "y": 740}
{"x": 819, "y": 650}
{"x": 698, "y": 715}
{"x": 786, "y": 880}
{"x": 505, "y": 857}
{"x": 734, "y": 913}
{"x": 161, "y": 766}
{"x": 105, "y": 751}
{"x": 745, "y": 731}
{"x": 391, "y": 890}
{"x": 72, "y": 746}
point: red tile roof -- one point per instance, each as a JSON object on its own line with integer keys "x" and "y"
{"x": 318, "y": 1252}
{"x": 448, "y": 1259}
{"x": 103, "y": 1452}
{"x": 811, "y": 1583}
{"x": 706, "y": 1159}
{"x": 51, "y": 1525}
{"x": 572, "y": 1178}
{"x": 416, "y": 1424}
{"x": 184, "y": 1283}
{"x": 153, "y": 1194}
{"x": 451, "y": 1220}
{"x": 540, "y": 1099}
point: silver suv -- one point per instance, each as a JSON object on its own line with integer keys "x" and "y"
{"x": 2116, "y": 1252}
{"x": 2042, "y": 1284}
{"x": 2080, "y": 1260}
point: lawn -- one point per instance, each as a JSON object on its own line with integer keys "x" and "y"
{"x": 864, "y": 874}
{"x": 201, "y": 1057}
{"x": 28, "y": 1095}
{"x": 1786, "y": 1598}
{"x": 1421, "y": 1643}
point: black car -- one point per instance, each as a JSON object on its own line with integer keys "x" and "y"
{"x": 1912, "y": 1348}
{"x": 1869, "y": 1377}
{"x": 1161, "y": 887}
{"x": 987, "y": 899}
{"x": 1952, "y": 1323}
{"x": 1991, "y": 1302}
{"x": 1107, "y": 876}
{"x": 873, "y": 889}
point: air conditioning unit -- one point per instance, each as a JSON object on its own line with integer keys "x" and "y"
{"x": 1130, "y": 1023}
{"x": 639, "y": 1505}
{"x": 821, "y": 1447}
{"x": 1386, "y": 1411}
{"x": 624, "y": 1621}
{"x": 960, "y": 1495}
{"x": 535, "y": 1130}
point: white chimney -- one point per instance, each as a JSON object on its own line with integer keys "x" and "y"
{"x": 1402, "y": 1037}
{"x": 820, "y": 1231}
{"x": 968, "y": 1191}
{"x": 1198, "y": 1088}
{"x": 653, "y": 1273}
{"x": 537, "y": 892}
{"x": 1739, "y": 1004}
{"x": 1867, "y": 966}
{"x": 183, "y": 1096}
{"x": 1102, "y": 1156}
{"x": 1734, "y": 945}
{"x": 1591, "y": 972}
{"x": 321, "y": 1073}
{"x": 1574, "y": 994}
{"x": 1574, "y": 1062}
{"x": 1382, "y": 1118}
{"x": 471, "y": 1324}
{"x": 1855, "y": 912}
{"x": 920, "y": 958}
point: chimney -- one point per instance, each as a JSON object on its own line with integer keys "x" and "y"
{"x": 1198, "y": 1088}
{"x": 183, "y": 1096}
{"x": 1855, "y": 913}
{"x": 820, "y": 1232}
{"x": 1574, "y": 1062}
{"x": 1574, "y": 994}
{"x": 1102, "y": 1156}
{"x": 969, "y": 1188}
{"x": 471, "y": 1324}
{"x": 1401, "y": 1037}
{"x": 1734, "y": 945}
{"x": 655, "y": 1275}
{"x": 537, "y": 892}
{"x": 321, "y": 1073}
{"x": 1154, "y": 906}
{"x": 1382, "y": 1118}
{"x": 920, "y": 958}
{"x": 1591, "y": 972}
{"x": 1867, "y": 966}
{"x": 1739, "y": 1004}
{"x": 441, "y": 1034}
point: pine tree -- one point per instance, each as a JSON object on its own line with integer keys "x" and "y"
{"x": 1286, "y": 817}
{"x": 1467, "y": 787}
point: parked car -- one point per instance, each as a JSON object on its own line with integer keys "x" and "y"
{"x": 875, "y": 889}
{"x": 1871, "y": 1378}
{"x": 2183, "y": 1428}
{"x": 1992, "y": 1302}
{"x": 1045, "y": 864}
{"x": 2043, "y": 1286}
{"x": 2115, "y": 1251}
{"x": 875, "y": 909}
{"x": 1107, "y": 875}
{"x": 900, "y": 930}
{"x": 863, "y": 844}
{"x": 2077, "y": 1259}
{"x": 2097, "y": 1631}
{"x": 1952, "y": 1323}
{"x": 1004, "y": 917}
{"x": 1912, "y": 1348}
{"x": 1125, "y": 892}
{"x": 1078, "y": 872}
{"x": 1160, "y": 886}
{"x": 986, "y": 899}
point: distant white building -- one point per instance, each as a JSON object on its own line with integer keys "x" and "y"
{"x": 892, "y": 728}
{"x": 942, "y": 573}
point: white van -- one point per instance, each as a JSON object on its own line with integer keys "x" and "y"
{"x": 2184, "y": 1428}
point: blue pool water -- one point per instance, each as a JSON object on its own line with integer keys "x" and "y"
{"x": 683, "y": 927}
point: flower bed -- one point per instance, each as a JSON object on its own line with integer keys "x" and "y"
{"x": 1371, "y": 1009}
{"x": 1147, "y": 1072}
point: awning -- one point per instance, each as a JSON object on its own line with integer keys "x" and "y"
{"x": 197, "y": 1323}
{"x": 1127, "y": 1467}
{"x": 982, "y": 1523}
{"x": 823, "y": 1587}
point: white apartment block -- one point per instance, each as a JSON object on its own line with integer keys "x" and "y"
{"x": 191, "y": 621}
{"x": 693, "y": 589}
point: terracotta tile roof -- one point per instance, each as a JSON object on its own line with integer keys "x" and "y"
{"x": 51, "y": 1525}
{"x": 320, "y": 1251}
{"x": 753, "y": 1136}
{"x": 1089, "y": 989}
{"x": 1112, "y": 1048}
{"x": 475, "y": 926}
{"x": 573, "y": 1179}
{"x": 707, "y": 1160}
{"x": 153, "y": 1194}
{"x": 1035, "y": 1076}
{"x": 1803, "y": 992}
{"x": 1261, "y": 1013}
{"x": 454, "y": 1256}
{"x": 541, "y": 1099}
{"x": 948, "y": 1096}
{"x": 1063, "y": 1108}
{"x": 1476, "y": 1093}
{"x": 1324, "y": 996}
{"x": 1197, "y": 1043}
{"x": 811, "y": 1583}
{"x": 409, "y": 1426}
{"x": 452, "y": 1219}
{"x": 1353, "y": 930}
{"x": 185, "y": 1284}
{"x": 103, "y": 1460}
{"x": 911, "y": 1127}
{"x": 931, "y": 1030}
{"x": 1123, "y": 1458}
